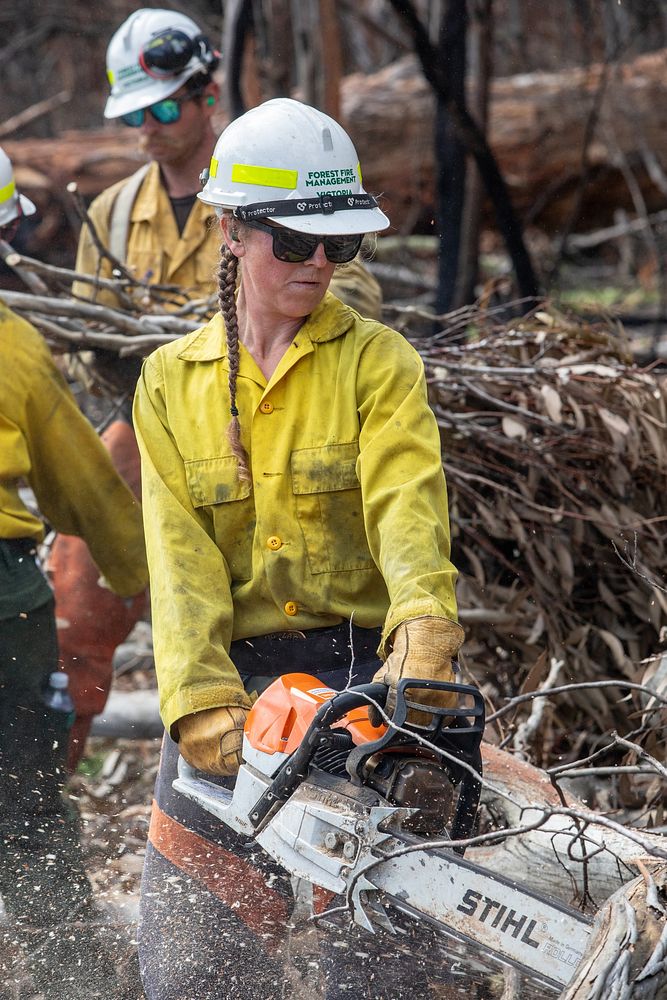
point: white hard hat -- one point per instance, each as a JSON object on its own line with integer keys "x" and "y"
{"x": 292, "y": 164}
{"x": 12, "y": 204}
{"x": 150, "y": 56}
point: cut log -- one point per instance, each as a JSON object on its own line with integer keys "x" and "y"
{"x": 581, "y": 870}
{"x": 626, "y": 955}
{"x": 130, "y": 715}
{"x": 390, "y": 116}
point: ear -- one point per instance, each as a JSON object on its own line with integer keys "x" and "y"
{"x": 211, "y": 95}
{"x": 230, "y": 232}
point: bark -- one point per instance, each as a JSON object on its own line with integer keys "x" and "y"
{"x": 274, "y": 50}
{"x": 475, "y": 142}
{"x": 317, "y": 54}
{"x": 450, "y": 152}
{"x": 553, "y": 860}
{"x": 481, "y": 47}
{"x": 238, "y": 26}
{"x": 625, "y": 957}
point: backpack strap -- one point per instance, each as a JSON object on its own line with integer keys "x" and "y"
{"x": 121, "y": 210}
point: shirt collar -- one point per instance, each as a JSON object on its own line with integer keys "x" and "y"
{"x": 149, "y": 204}
{"x": 330, "y": 319}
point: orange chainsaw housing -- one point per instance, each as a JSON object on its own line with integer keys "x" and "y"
{"x": 280, "y": 717}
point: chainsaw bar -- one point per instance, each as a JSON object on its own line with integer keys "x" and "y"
{"x": 537, "y": 935}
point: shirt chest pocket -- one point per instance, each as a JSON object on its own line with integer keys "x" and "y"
{"x": 213, "y": 485}
{"x": 147, "y": 265}
{"x": 329, "y": 508}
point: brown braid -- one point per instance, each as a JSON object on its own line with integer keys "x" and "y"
{"x": 226, "y": 287}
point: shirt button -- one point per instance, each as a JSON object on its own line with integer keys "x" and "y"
{"x": 291, "y": 608}
{"x": 273, "y": 542}
{"x": 266, "y": 406}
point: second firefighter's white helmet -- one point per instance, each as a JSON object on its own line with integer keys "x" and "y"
{"x": 12, "y": 204}
{"x": 291, "y": 163}
{"x": 150, "y": 56}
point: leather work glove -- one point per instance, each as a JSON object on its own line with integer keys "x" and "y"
{"x": 212, "y": 740}
{"x": 422, "y": 649}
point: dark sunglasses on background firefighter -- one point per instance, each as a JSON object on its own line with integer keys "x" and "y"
{"x": 294, "y": 248}
{"x": 166, "y": 112}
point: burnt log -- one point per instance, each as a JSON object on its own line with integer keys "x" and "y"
{"x": 536, "y": 129}
{"x": 575, "y": 856}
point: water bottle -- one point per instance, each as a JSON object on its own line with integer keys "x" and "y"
{"x": 58, "y": 698}
{"x": 60, "y": 716}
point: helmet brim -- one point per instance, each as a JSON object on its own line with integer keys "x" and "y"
{"x": 27, "y": 207}
{"x": 351, "y": 222}
{"x": 144, "y": 96}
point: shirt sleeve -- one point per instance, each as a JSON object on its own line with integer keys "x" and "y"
{"x": 76, "y": 485}
{"x": 403, "y": 483}
{"x": 190, "y": 580}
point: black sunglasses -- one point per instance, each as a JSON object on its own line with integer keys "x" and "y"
{"x": 294, "y": 248}
{"x": 165, "y": 112}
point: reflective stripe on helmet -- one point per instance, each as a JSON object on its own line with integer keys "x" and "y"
{"x": 245, "y": 173}
{"x": 7, "y": 191}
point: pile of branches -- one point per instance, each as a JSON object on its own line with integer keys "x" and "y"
{"x": 555, "y": 450}
{"x": 142, "y": 318}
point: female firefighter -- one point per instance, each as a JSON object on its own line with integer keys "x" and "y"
{"x": 296, "y": 519}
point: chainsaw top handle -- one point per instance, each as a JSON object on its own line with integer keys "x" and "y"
{"x": 467, "y": 722}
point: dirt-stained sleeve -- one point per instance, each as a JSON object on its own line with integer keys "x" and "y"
{"x": 403, "y": 483}
{"x": 77, "y": 487}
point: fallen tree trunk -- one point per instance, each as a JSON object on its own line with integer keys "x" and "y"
{"x": 574, "y": 856}
{"x": 390, "y": 115}
{"x": 130, "y": 715}
{"x": 626, "y": 955}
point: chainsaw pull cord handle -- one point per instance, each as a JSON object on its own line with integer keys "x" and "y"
{"x": 295, "y": 768}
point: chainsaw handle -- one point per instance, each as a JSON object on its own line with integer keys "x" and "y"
{"x": 343, "y": 702}
{"x": 295, "y": 769}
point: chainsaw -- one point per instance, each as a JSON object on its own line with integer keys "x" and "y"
{"x": 380, "y": 815}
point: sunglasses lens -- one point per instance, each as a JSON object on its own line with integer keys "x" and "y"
{"x": 293, "y": 247}
{"x": 342, "y": 249}
{"x": 134, "y": 118}
{"x": 166, "y": 112}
